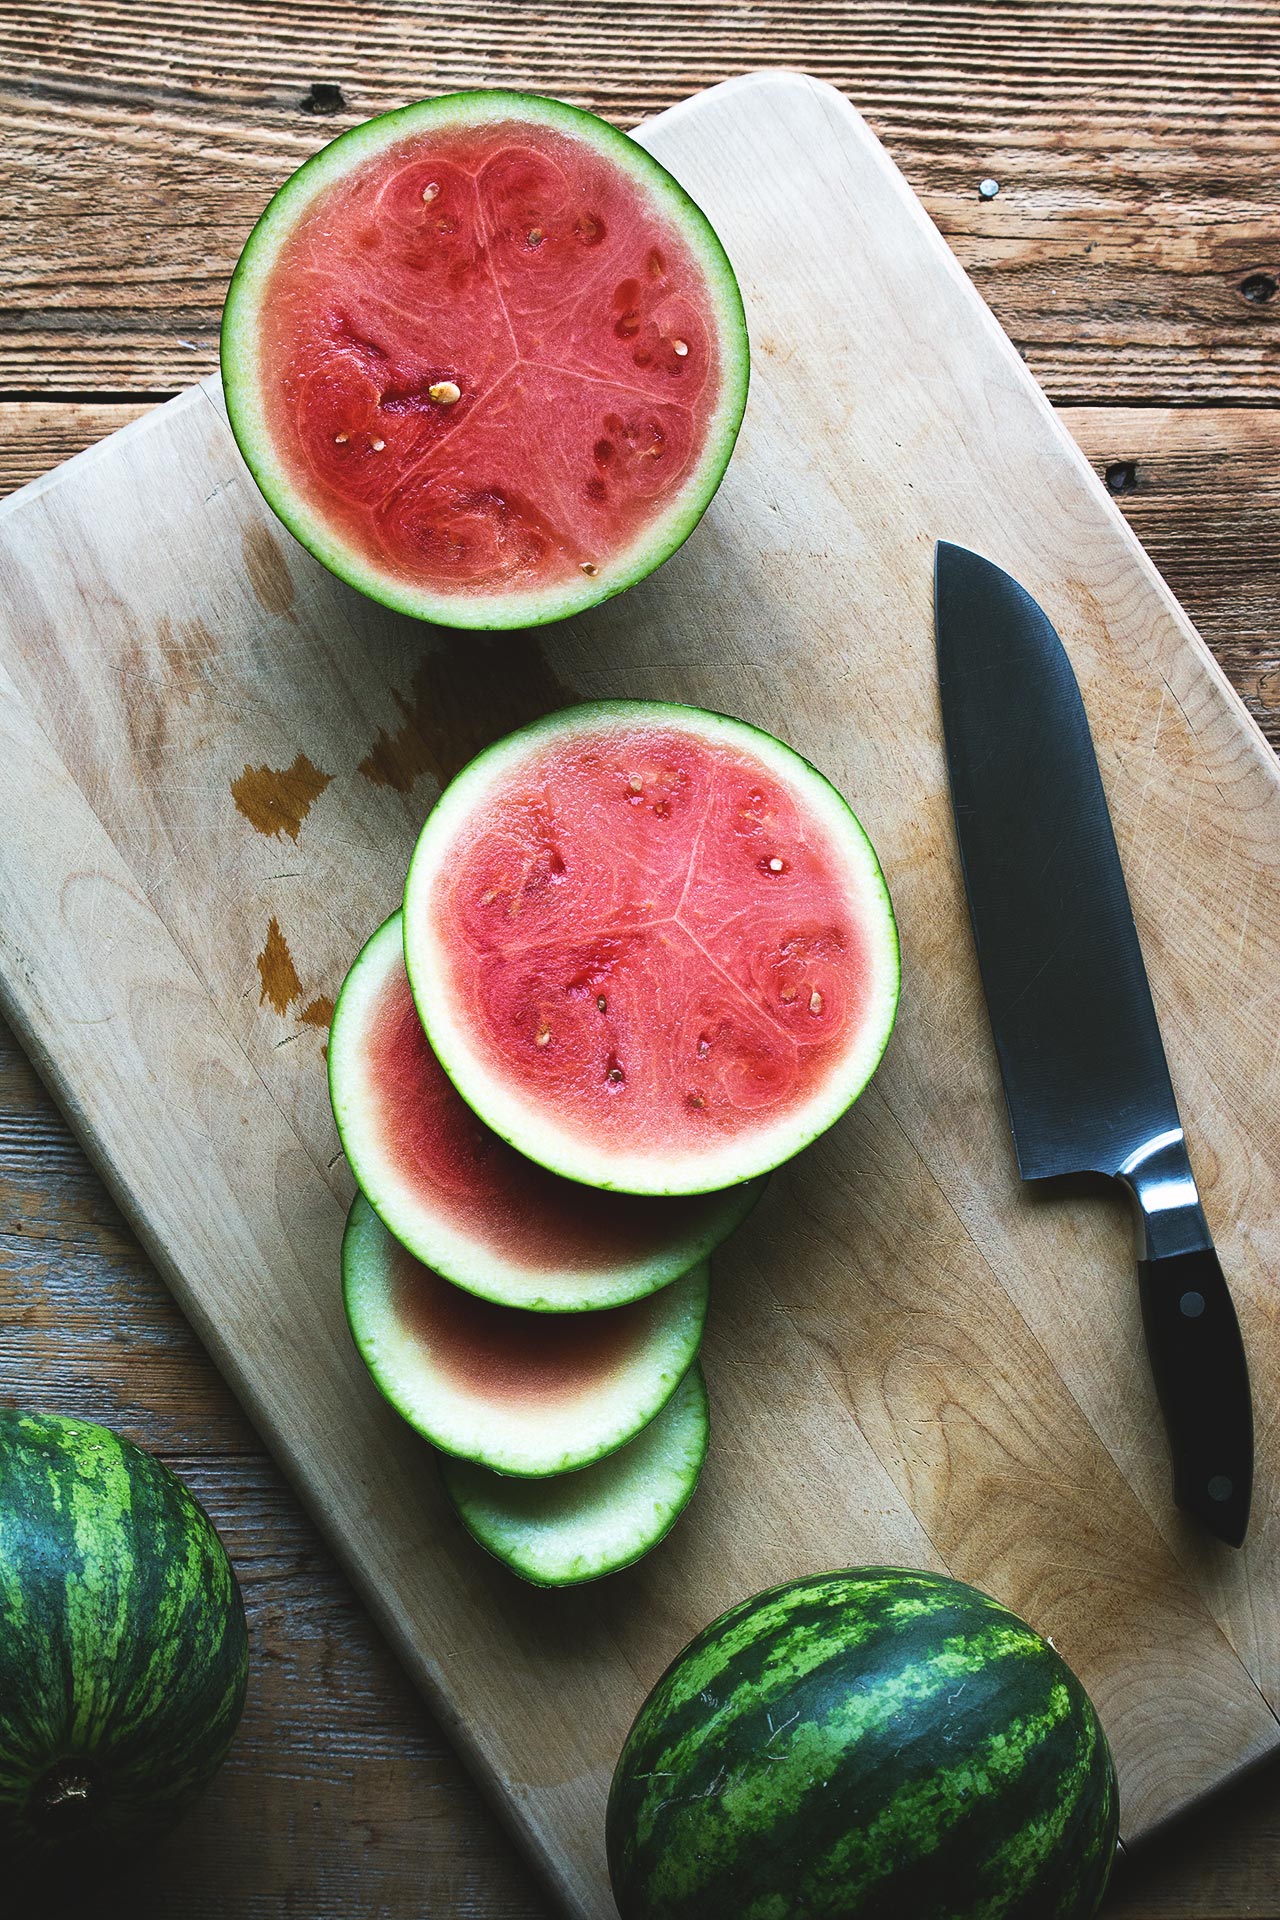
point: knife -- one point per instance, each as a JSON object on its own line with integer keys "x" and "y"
{"x": 1084, "y": 1070}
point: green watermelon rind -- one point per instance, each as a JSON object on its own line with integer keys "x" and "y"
{"x": 644, "y": 1389}
{"x": 452, "y": 1251}
{"x": 872, "y": 1742}
{"x": 535, "y": 1134}
{"x": 123, "y": 1646}
{"x": 308, "y": 525}
{"x": 574, "y": 1553}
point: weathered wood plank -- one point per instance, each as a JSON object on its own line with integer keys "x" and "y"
{"x": 1132, "y": 251}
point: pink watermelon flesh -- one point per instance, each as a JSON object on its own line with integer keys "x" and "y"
{"x": 652, "y": 940}
{"x": 524, "y": 1393}
{"x": 501, "y": 1356}
{"x": 446, "y": 1163}
{"x": 533, "y": 274}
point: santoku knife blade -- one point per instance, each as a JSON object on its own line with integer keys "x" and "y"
{"x": 1084, "y": 1070}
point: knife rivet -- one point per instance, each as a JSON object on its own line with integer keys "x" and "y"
{"x": 1220, "y": 1488}
{"x": 1191, "y": 1305}
{"x": 988, "y": 188}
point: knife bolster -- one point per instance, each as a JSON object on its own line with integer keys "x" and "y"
{"x": 1169, "y": 1217}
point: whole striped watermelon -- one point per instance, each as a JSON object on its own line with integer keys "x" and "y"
{"x": 123, "y": 1651}
{"x": 867, "y": 1745}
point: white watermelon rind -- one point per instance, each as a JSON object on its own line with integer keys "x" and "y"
{"x": 449, "y": 1249}
{"x": 510, "y": 1439}
{"x": 242, "y": 377}
{"x": 582, "y": 1526}
{"x": 534, "y": 1132}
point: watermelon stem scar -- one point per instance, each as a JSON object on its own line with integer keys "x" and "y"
{"x": 485, "y": 359}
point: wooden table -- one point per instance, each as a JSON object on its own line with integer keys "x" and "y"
{"x": 1132, "y": 252}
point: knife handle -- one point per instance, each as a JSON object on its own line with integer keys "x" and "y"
{"x": 1202, "y": 1383}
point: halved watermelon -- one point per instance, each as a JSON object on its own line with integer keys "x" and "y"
{"x": 524, "y": 1393}
{"x": 486, "y": 359}
{"x": 651, "y": 946}
{"x": 465, "y": 1202}
{"x": 580, "y": 1526}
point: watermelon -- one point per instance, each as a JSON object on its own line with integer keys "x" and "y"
{"x": 864, "y": 1745}
{"x": 486, "y": 359}
{"x": 651, "y": 946}
{"x": 523, "y": 1393}
{"x": 580, "y": 1526}
{"x": 123, "y": 1652}
{"x": 460, "y": 1199}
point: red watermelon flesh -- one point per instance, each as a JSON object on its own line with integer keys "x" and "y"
{"x": 527, "y": 272}
{"x": 655, "y": 940}
{"x": 466, "y": 1202}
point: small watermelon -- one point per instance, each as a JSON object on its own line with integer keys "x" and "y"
{"x": 123, "y": 1651}
{"x": 581, "y": 1526}
{"x": 464, "y": 1202}
{"x": 651, "y": 946}
{"x": 486, "y": 359}
{"x": 866, "y": 1745}
{"x": 523, "y": 1393}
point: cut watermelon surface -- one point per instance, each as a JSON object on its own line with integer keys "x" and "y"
{"x": 523, "y": 1393}
{"x": 486, "y": 359}
{"x": 466, "y": 1203}
{"x": 580, "y": 1526}
{"x": 651, "y": 946}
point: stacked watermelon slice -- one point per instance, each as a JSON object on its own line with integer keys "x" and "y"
{"x": 645, "y": 954}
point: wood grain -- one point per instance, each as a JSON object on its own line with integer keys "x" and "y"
{"x": 74, "y": 1280}
{"x": 1203, "y": 496}
{"x": 1134, "y": 141}
{"x": 245, "y": 655}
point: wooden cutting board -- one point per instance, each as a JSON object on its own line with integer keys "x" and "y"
{"x": 213, "y": 764}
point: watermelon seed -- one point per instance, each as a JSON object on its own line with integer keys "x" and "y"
{"x": 613, "y": 1071}
{"x": 704, "y": 1046}
{"x": 378, "y": 445}
{"x": 680, "y": 347}
{"x": 542, "y": 1036}
{"x": 815, "y": 1001}
{"x": 588, "y": 566}
{"x": 340, "y": 439}
{"x": 696, "y": 1100}
{"x": 536, "y": 237}
{"x": 788, "y": 993}
{"x": 601, "y": 1004}
{"x": 445, "y": 392}
{"x": 636, "y": 784}
{"x": 431, "y": 189}
{"x": 776, "y": 865}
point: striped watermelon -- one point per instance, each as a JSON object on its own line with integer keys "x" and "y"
{"x": 123, "y": 1651}
{"x": 865, "y": 1745}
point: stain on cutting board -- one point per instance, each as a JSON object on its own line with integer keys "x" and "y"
{"x": 268, "y": 570}
{"x": 276, "y": 800}
{"x": 460, "y": 700}
{"x": 280, "y": 983}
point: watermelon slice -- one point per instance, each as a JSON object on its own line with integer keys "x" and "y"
{"x": 465, "y": 1202}
{"x": 486, "y": 359}
{"x": 579, "y": 1526}
{"x": 523, "y": 1393}
{"x": 651, "y": 946}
